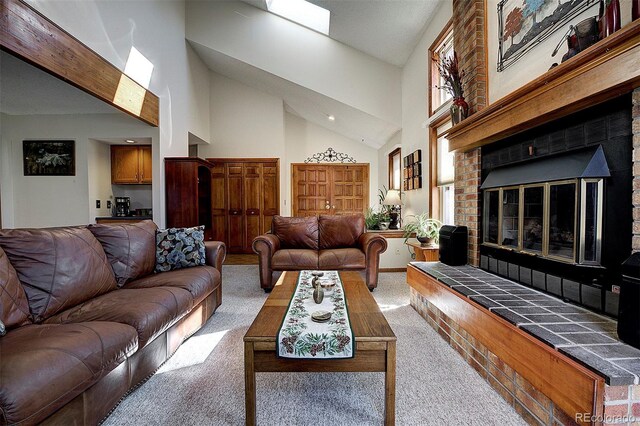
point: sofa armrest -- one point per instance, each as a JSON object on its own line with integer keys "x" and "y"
{"x": 266, "y": 244}
{"x": 372, "y": 243}
{"x": 215, "y": 253}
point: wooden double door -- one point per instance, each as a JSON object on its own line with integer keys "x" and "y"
{"x": 245, "y": 197}
{"x": 329, "y": 189}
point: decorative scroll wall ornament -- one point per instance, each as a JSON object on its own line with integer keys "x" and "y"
{"x": 330, "y": 156}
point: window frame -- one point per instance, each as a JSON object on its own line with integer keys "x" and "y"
{"x": 435, "y": 196}
{"x": 433, "y": 76}
{"x": 397, "y": 152}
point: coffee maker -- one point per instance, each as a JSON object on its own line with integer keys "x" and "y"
{"x": 122, "y": 206}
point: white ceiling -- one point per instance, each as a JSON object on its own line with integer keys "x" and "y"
{"x": 27, "y": 90}
{"x": 308, "y": 104}
{"x": 385, "y": 29}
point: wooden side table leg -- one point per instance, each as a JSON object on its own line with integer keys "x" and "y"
{"x": 390, "y": 386}
{"x": 249, "y": 385}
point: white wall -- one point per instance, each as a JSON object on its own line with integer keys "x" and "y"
{"x": 297, "y": 54}
{"x": 414, "y": 107}
{"x": 99, "y": 178}
{"x": 303, "y": 139}
{"x": 535, "y": 62}
{"x": 157, "y": 30}
{"x": 35, "y": 201}
{"x": 249, "y": 123}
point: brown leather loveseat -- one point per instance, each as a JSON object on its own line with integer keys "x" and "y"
{"x": 87, "y": 320}
{"x": 324, "y": 242}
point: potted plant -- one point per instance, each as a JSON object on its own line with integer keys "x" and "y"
{"x": 452, "y": 77}
{"x": 425, "y": 228}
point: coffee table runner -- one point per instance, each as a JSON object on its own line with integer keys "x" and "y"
{"x": 301, "y": 337}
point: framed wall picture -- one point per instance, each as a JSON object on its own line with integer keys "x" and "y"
{"x": 417, "y": 156}
{"x": 410, "y": 181}
{"x": 410, "y": 170}
{"x": 417, "y": 182}
{"x": 49, "y": 158}
{"x": 417, "y": 169}
{"x": 523, "y": 25}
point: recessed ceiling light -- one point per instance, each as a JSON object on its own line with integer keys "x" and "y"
{"x": 130, "y": 141}
{"x": 331, "y": 118}
{"x": 302, "y": 12}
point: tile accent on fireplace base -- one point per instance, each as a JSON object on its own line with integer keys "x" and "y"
{"x": 620, "y": 402}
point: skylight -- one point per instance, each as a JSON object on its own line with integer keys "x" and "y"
{"x": 138, "y": 68}
{"x": 302, "y": 12}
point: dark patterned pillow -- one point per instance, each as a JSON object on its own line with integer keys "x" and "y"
{"x": 178, "y": 248}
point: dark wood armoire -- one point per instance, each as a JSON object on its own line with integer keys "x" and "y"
{"x": 188, "y": 191}
{"x": 245, "y": 197}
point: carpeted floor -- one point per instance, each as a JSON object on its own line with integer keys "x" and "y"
{"x": 203, "y": 383}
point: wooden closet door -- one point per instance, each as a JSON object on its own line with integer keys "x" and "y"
{"x": 235, "y": 207}
{"x": 350, "y": 188}
{"x": 218, "y": 203}
{"x": 311, "y": 189}
{"x": 270, "y": 194}
{"x": 252, "y": 180}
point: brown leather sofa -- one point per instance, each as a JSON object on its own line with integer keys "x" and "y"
{"x": 324, "y": 242}
{"x": 87, "y": 319}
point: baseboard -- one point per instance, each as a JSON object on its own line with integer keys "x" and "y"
{"x": 393, "y": 269}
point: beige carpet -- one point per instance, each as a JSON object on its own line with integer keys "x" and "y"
{"x": 203, "y": 383}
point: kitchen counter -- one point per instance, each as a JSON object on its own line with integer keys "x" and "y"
{"x": 122, "y": 219}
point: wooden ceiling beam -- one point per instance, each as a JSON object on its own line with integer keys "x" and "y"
{"x": 29, "y": 35}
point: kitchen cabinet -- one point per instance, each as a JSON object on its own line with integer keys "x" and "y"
{"x": 131, "y": 165}
{"x": 245, "y": 197}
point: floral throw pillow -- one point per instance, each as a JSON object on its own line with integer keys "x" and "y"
{"x": 178, "y": 248}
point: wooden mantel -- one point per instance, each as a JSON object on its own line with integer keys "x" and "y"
{"x": 605, "y": 70}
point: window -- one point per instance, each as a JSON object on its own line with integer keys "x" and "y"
{"x": 441, "y": 48}
{"x": 560, "y": 220}
{"x": 442, "y": 200}
{"x": 302, "y": 12}
{"x": 395, "y": 169}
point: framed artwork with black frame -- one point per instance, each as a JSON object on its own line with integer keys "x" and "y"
{"x": 49, "y": 157}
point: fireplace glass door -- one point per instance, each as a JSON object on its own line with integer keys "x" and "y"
{"x": 533, "y": 219}
{"x": 510, "y": 217}
{"x": 562, "y": 220}
{"x": 491, "y": 215}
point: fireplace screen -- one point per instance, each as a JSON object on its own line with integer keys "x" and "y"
{"x": 559, "y": 220}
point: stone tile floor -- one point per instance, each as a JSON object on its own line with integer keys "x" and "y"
{"x": 587, "y": 337}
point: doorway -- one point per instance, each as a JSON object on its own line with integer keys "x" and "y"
{"x": 329, "y": 189}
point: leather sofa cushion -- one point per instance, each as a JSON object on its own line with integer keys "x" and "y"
{"x": 58, "y": 267}
{"x": 294, "y": 260}
{"x": 44, "y": 367}
{"x": 130, "y": 248}
{"x": 296, "y": 232}
{"x": 340, "y": 231}
{"x": 345, "y": 258}
{"x": 149, "y": 310}
{"x": 14, "y": 309}
{"x": 200, "y": 281}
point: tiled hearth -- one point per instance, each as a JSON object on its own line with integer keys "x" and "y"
{"x": 586, "y": 337}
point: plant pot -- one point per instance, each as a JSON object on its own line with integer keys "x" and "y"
{"x": 383, "y": 226}
{"x": 424, "y": 241}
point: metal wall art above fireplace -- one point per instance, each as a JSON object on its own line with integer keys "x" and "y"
{"x": 548, "y": 207}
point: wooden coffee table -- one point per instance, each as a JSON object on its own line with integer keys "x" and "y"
{"x": 375, "y": 342}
